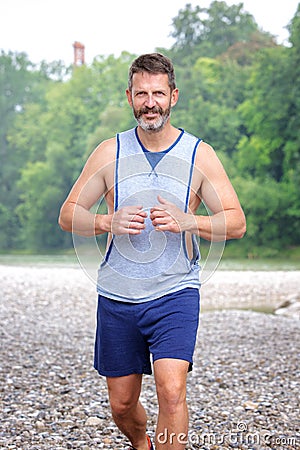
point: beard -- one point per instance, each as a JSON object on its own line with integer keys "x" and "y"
{"x": 152, "y": 125}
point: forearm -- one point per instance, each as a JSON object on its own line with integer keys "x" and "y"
{"x": 218, "y": 227}
{"x": 76, "y": 219}
{"x": 223, "y": 225}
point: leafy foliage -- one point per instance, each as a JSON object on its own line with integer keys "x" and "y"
{"x": 239, "y": 91}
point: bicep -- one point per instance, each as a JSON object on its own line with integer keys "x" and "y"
{"x": 86, "y": 191}
{"x": 89, "y": 186}
{"x": 216, "y": 190}
{"x": 219, "y": 195}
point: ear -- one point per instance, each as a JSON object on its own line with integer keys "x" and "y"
{"x": 129, "y": 97}
{"x": 174, "y": 97}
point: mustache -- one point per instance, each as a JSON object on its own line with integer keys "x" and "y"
{"x": 154, "y": 109}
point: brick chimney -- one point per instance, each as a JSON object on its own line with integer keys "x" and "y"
{"x": 78, "y": 54}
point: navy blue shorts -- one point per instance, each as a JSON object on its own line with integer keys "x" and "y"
{"x": 128, "y": 334}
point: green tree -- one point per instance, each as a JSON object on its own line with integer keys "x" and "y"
{"x": 292, "y": 146}
{"x": 208, "y": 102}
{"x": 265, "y": 115}
{"x": 20, "y": 83}
{"x": 269, "y": 150}
{"x": 239, "y": 91}
{"x": 75, "y": 113}
{"x": 212, "y": 31}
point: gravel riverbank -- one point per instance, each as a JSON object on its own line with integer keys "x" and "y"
{"x": 243, "y": 391}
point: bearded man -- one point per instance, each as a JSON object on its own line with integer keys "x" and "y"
{"x": 153, "y": 178}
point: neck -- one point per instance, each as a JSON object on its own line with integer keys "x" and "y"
{"x": 160, "y": 140}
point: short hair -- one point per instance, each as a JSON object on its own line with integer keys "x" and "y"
{"x": 153, "y": 63}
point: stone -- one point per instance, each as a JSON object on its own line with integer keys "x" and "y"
{"x": 52, "y": 398}
{"x": 93, "y": 422}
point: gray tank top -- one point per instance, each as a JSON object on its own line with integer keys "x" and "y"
{"x": 139, "y": 268}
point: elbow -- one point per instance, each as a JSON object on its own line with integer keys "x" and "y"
{"x": 63, "y": 223}
{"x": 241, "y": 229}
{"x": 241, "y": 233}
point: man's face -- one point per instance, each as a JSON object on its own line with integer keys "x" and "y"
{"x": 151, "y": 100}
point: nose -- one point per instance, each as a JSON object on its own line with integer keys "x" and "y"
{"x": 150, "y": 101}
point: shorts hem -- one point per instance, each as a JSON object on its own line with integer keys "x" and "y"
{"x": 168, "y": 356}
{"x": 182, "y": 358}
{"x": 123, "y": 373}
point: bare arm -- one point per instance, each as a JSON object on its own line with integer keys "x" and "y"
{"x": 94, "y": 181}
{"x": 75, "y": 215}
{"x": 227, "y": 220}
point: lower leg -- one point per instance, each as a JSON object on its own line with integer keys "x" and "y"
{"x": 132, "y": 424}
{"x": 127, "y": 411}
{"x": 172, "y": 425}
{"x": 172, "y": 429}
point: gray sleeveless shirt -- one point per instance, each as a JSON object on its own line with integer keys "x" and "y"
{"x": 139, "y": 268}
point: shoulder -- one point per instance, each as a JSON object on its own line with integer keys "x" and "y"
{"x": 206, "y": 154}
{"x": 103, "y": 155}
{"x": 104, "y": 152}
{"x": 208, "y": 162}
{"x": 204, "y": 149}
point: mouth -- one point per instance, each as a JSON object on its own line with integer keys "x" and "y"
{"x": 151, "y": 119}
{"x": 150, "y": 115}
{"x": 153, "y": 112}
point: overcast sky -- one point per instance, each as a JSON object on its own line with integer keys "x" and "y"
{"x": 46, "y": 30}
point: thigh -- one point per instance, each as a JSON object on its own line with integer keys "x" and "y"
{"x": 170, "y": 379}
{"x": 125, "y": 390}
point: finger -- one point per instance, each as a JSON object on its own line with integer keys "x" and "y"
{"x": 142, "y": 214}
{"x": 160, "y": 207}
{"x": 159, "y": 212}
{"x": 158, "y": 221}
{"x": 136, "y": 211}
{"x": 156, "y": 210}
{"x": 136, "y": 223}
{"x": 138, "y": 218}
{"x": 133, "y": 231}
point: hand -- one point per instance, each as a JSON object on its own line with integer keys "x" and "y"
{"x": 128, "y": 220}
{"x": 168, "y": 217}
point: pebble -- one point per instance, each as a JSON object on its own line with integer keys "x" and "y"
{"x": 93, "y": 422}
{"x": 243, "y": 391}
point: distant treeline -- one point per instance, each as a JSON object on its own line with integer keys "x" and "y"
{"x": 239, "y": 91}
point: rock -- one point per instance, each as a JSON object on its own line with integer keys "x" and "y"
{"x": 289, "y": 308}
{"x": 40, "y": 425}
{"x": 93, "y": 422}
{"x": 250, "y": 405}
{"x": 245, "y": 376}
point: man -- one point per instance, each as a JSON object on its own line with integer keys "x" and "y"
{"x": 153, "y": 178}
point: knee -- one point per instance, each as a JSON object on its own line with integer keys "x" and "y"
{"x": 121, "y": 407}
{"x": 171, "y": 396}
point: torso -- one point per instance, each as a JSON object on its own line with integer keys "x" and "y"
{"x": 107, "y": 160}
{"x": 171, "y": 259}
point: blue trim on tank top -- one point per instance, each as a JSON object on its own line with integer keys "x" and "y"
{"x": 154, "y": 158}
{"x": 116, "y": 201}
{"x": 163, "y": 151}
{"x": 191, "y": 174}
{"x": 197, "y": 255}
{"x": 116, "y": 193}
